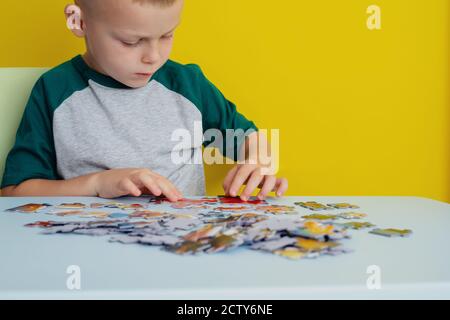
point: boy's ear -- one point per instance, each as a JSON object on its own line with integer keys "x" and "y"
{"x": 74, "y": 21}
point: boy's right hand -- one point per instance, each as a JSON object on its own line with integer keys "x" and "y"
{"x": 122, "y": 182}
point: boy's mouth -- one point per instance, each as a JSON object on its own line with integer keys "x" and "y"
{"x": 144, "y": 74}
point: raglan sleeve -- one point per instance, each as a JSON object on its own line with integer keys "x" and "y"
{"x": 224, "y": 127}
{"x": 33, "y": 153}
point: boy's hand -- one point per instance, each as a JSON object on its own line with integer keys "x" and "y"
{"x": 122, "y": 182}
{"x": 251, "y": 176}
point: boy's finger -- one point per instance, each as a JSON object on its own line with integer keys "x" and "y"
{"x": 160, "y": 185}
{"x": 130, "y": 188}
{"x": 281, "y": 186}
{"x": 228, "y": 179}
{"x": 239, "y": 179}
{"x": 150, "y": 184}
{"x": 253, "y": 182}
{"x": 180, "y": 194}
{"x": 168, "y": 191}
{"x": 177, "y": 192}
{"x": 268, "y": 185}
{"x": 174, "y": 189}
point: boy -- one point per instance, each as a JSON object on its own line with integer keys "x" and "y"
{"x": 102, "y": 124}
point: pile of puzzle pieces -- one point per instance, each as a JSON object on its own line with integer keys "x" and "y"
{"x": 213, "y": 224}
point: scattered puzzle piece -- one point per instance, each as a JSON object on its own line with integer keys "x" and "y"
{"x": 318, "y": 216}
{"x": 276, "y": 209}
{"x": 314, "y": 206}
{"x": 343, "y": 206}
{"x": 251, "y": 200}
{"x": 291, "y": 253}
{"x": 357, "y": 225}
{"x": 351, "y": 215}
{"x": 29, "y": 208}
{"x": 212, "y": 225}
{"x": 71, "y": 206}
{"x": 392, "y": 232}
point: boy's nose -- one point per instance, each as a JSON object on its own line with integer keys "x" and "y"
{"x": 150, "y": 56}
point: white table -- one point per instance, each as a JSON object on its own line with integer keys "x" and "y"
{"x": 33, "y": 266}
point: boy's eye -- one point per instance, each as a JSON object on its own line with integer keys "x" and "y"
{"x": 130, "y": 44}
{"x": 135, "y": 44}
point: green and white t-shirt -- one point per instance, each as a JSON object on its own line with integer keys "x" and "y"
{"x": 78, "y": 121}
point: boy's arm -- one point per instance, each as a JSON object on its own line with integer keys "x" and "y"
{"x": 106, "y": 184}
{"x": 218, "y": 113}
{"x": 80, "y": 186}
{"x": 257, "y": 171}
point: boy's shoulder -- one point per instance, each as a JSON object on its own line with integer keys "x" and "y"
{"x": 65, "y": 72}
{"x": 185, "y": 79}
{"x": 59, "y": 82}
{"x": 176, "y": 71}
{"x": 178, "y": 67}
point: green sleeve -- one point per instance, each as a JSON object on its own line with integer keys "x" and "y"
{"x": 33, "y": 154}
{"x": 221, "y": 114}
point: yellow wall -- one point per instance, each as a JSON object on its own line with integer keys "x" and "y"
{"x": 360, "y": 112}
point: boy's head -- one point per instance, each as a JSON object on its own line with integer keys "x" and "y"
{"x": 128, "y": 40}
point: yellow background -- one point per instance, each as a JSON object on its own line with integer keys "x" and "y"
{"x": 360, "y": 112}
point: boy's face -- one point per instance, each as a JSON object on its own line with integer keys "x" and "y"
{"x": 126, "y": 40}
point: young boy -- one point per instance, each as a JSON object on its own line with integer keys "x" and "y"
{"x": 102, "y": 124}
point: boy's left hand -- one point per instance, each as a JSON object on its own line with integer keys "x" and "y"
{"x": 251, "y": 176}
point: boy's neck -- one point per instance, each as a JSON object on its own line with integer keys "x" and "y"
{"x": 91, "y": 63}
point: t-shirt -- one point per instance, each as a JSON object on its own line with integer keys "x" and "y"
{"x": 78, "y": 121}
